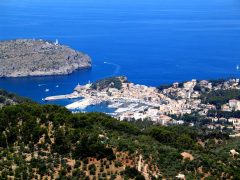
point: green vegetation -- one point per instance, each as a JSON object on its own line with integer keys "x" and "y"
{"x": 132, "y": 173}
{"x": 224, "y": 114}
{"x": 220, "y": 97}
{"x": 7, "y": 98}
{"x": 164, "y": 86}
{"x": 112, "y": 82}
{"x": 201, "y": 88}
{"x": 216, "y": 82}
{"x": 49, "y": 141}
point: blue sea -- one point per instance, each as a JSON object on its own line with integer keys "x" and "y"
{"x": 150, "y": 41}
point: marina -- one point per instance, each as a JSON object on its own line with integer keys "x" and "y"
{"x": 129, "y": 100}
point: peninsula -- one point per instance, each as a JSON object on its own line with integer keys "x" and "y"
{"x": 25, "y": 57}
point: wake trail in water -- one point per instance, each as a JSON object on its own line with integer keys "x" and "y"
{"x": 117, "y": 67}
{"x": 39, "y": 85}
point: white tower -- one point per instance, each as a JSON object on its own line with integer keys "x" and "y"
{"x": 56, "y": 43}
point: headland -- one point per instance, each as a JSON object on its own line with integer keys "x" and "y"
{"x": 26, "y": 57}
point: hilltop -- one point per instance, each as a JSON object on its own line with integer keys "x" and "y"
{"x": 25, "y": 57}
{"x": 111, "y": 82}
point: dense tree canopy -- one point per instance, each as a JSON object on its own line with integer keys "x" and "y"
{"x": 46, "y": 137}
{"x": 220, "y": 97}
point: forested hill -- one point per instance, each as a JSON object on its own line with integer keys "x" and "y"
{"x": 48, "y": 141}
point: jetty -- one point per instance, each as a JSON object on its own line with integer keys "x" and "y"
{"x": 73, "y": 95}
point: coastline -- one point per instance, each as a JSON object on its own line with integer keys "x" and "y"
{"x": 46, "y": 74}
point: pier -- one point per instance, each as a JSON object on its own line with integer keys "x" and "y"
{"x": 73, "y": 95}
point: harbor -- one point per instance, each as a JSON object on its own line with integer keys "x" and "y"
{"x": 133, "y": 101}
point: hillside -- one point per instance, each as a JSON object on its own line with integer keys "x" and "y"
{"x": 50, "y": 142}
{"x": 111, "y": 82}
{"x": 7, "y": 98}
{"x": 24, "y": 57}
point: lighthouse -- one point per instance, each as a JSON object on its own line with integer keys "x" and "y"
{"x": 56, "y": 42}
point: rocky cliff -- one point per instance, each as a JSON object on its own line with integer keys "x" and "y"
{"x": 23, "y": 57}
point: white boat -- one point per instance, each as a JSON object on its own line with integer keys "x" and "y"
{"x": 46, "y": 90}
{"x": 237, "y": 67}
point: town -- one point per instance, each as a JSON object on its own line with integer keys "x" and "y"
{"x": 165, "y": 105}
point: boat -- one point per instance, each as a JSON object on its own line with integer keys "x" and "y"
{"x": 237, "y": 67}
{"x": 46, "y": 90}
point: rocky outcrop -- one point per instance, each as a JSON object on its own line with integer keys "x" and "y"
{"x": 24, "y": 57}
